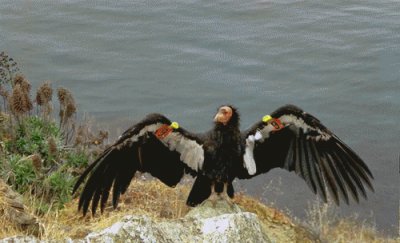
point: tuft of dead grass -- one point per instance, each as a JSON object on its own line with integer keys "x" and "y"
{"x": 280, "y": 227}
{"x": 324, "y": 220}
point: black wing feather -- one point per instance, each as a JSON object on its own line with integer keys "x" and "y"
{"x": 310, "y": 167}
{"x": 330, "y": 178}
{"x": 304, "y": 145}
{"x": 339, "y": 176}
{"x": 318, "y": 175}
{"x": 138, "y": 149}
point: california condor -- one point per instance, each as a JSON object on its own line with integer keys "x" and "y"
{"x": 288, "y": 138}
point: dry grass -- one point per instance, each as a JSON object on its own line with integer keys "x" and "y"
{"x": 323, "y": 219}
{"x": 348, "y": 230}
{"x": 154, "y": 199}
{"x": 148, "y": 197}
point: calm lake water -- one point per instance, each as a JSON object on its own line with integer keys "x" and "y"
{"x": 338, "y": 60}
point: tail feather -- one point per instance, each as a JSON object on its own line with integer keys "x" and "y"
{"x": 230, "y": 191}
{"x": 201, "y": 190}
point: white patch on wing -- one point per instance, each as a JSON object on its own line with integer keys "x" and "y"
{"x": 258, "y": 136}
{"x": 191, "y": 152}
{"x": 300, "y": 123}
{"x": 265, "y": 132}
{"x": 248, "y": 156}
{"x": 150, "y": 128}
{"x": 297, "y": 121}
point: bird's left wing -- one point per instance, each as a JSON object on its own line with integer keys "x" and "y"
{"x": 294, "y": 140}
{"x": 154, "y": 145}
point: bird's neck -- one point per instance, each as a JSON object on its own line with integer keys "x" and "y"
{"x": 225, "y": 128}
{"x": 225, "y": 133}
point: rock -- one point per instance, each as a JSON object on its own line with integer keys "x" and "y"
{"x": 32, "y": 239}
{"x": 20, "y": 239}
{"x": 221, "y": 223}
{"x": 13, "y": 210}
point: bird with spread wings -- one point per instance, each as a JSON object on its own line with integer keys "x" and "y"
{"x": 288, "y": 138}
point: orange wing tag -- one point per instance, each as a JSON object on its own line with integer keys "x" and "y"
{"x": 163, "y": 131}
{"x": 277, "y": 124}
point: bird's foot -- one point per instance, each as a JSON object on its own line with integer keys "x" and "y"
{"x": 227, "y": 199}
{"x": 213, "y": 199}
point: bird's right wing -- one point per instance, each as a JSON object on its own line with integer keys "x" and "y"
{"x": 154, "y": 145}
{"x": 295, "y": 140}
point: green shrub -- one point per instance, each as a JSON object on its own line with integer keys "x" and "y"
{"x": 32, "y": 135}
{"x": 77, "y": 159}
{"x": 60, "y": 186}
{"x": 21, "y": 174}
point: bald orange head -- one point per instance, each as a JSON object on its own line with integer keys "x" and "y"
{"x": 223, "y": 115}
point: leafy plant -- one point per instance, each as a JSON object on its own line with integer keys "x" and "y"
{"x": 77, "y": 159}
{"x": 22, "y": 174}
{"x": 32, "y": 136}
{"x": 60, "y": 186}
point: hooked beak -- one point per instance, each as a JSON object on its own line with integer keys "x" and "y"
{"x": 216, "y": 118}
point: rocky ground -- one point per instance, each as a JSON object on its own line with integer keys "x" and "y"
{"x": 218, "y": 221}
{"x": 210, "y": 222}
{"x": 152, "y": 212}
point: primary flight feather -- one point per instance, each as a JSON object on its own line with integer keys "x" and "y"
{"x": 289, "y": 138}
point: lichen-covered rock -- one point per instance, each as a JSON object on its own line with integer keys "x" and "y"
{"x": 12, "y": 209}
{"x": 219, "y": 223}
{"x": 32, "y": 239}
{"x": 137, "y": 229}
{"x": 20, "y": 239}
{"x": 223, "y": 222}
{"x": 238, "y": 227}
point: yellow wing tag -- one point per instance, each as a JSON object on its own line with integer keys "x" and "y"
{"x": 266, "y": 118}
{"x": 174, "y": 125}
{"x": 275, "y": 122}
